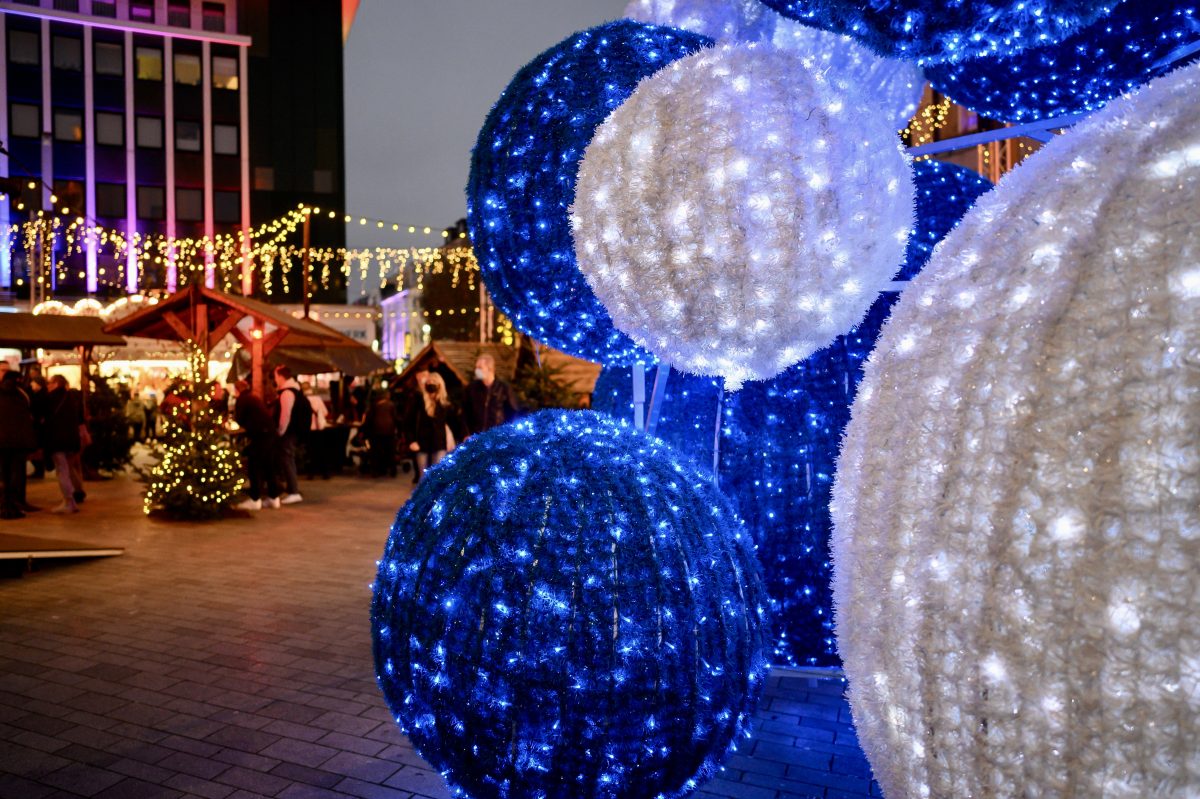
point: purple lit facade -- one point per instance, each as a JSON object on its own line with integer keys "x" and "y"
{"x": 136, "y": 114}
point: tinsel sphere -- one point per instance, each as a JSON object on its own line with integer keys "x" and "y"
{"x": 945, "y": 192}
{"x": 738, "y": 20}
{"x": 934, "y": 31}
{"x": 523, "y": 173}
{"x": 1017, "y": 507}
{"x": 565, "y": 608}
{"x": 1082, "y": 73}
{"x": 779, "y": 439}
{"x": 740, "y": 211}
{"x": 894, "y": 86}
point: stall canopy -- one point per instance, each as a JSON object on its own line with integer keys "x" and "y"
{"x": 26, "y": 331}
{"x": 206, "y": 316}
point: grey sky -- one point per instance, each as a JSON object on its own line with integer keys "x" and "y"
{"x": 421, "y": 76}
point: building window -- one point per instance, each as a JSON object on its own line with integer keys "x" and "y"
{"x": 213, "y": 16}
{"x": 225, "y": 139}
{"x": 103, "y": 8}
{"x": 24, "y": 47}
{"x": 149, "y": 63}
{"x": 70, "y": 195}
{"x": 67, "y": 5}
{"x": 189, "y": 205}
{"x": 151, "y": 202}
{"x": 264, "y": 178}
{"x": 68, "y": 126}
{"x": 26, "y": 121}
{"x": 68, "y": 53}
{"x": 187, "y": 69}
{"x": 110, "y": 129}
{"x": 225, "y": 73}
{"x": 141, "y": 10}
{"x": 227, "y": 206}
{"x": 110, "y": 200}
{"x": 187, "y": 136}
{"x": 179, "y": 13}
{"x": 150, "y": 133}
{"x": 323, "y": 181}
{"x": 109, "y": 58}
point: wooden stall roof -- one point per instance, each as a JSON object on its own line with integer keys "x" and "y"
{"x": 578, "y": 374}
{"x": 27, "y": 331}
{"x": 154, "y": 321}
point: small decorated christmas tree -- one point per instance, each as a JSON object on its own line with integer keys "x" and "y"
{"x": 199, "y": 472}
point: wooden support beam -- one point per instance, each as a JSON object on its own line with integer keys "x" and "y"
{"x": 225, "y": 328}
{"x": 177, "y": 325}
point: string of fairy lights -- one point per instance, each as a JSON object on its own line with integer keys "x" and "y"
{"x": 225, "y": 260}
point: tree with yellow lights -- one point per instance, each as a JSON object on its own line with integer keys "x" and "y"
{"x": 199, "y": 473}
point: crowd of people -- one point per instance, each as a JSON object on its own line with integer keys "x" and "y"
{"x": 43, "y": 423}
{"x": 381, "y": 430}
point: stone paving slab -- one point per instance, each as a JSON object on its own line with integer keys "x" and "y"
{"x": 232, "y": 660}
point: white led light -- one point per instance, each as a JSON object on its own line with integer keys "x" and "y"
{"x": 1042, "y": 507}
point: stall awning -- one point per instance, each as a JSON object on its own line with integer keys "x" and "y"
{"x": 29, "y": 331}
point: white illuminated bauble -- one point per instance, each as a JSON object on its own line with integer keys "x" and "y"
{"x": 739, "y": 211}
{"x": 1017, "y": 507}
{"x": 895, "y": 86}
{"x": 740, "y": 20}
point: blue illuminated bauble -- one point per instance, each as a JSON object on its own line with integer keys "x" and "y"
{"x": 779, "y": 438}
{"x": 567, "y": 609}
{"x": 1082, "y": 73}
{"x": 944, "y": 192}
{"x": 523, "y": 173}
{"x": 935, "y": 31}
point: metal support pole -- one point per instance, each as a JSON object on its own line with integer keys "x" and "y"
{"x": 716, "y": 461}
{"x": 639, "y": 396}
{"x": 656, "y": 397}
{"x": 307, "y": 261}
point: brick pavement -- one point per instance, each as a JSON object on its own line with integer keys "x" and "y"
{"x": 232, "y": 660}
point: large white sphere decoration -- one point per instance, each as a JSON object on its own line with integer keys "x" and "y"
{"x": 739, "y": 211}
{"x": 1017, "y": 508}
{"x": 894, "y": 85}
{"x": 739, "y": 20}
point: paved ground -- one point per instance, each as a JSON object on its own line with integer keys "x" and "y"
{"x": 232, "y": 660}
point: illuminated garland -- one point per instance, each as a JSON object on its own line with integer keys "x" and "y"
{"x": 934, "y": 31}
{"x": 274, "y": 261}
{"x": 1083, "y": 73}
{"x": 566, "y": 609}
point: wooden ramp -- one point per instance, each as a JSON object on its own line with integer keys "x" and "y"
{"x": 28, "y": 547}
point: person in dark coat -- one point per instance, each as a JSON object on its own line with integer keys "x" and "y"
{"x": 490, "y": 402}
{"x": 35, "y": 387}
{"x": 436, "y": 424}
{"x": 17, "y": 440}
{"x": 379, "y": 426}
{"x": 253, "y": 416}
{"x": 63, "y": 441}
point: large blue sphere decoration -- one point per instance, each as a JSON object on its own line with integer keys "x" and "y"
{"x": 779, "y": 439}
{"x": 523, "y": 173}
{"x": 934, "y": 31}
{"x": 566, "y": 609}
{"x": 944, "y": 193}
{"x": 1082, "y": 73}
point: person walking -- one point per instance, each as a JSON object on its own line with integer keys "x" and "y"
{"x": 252, "y": 415}
{"x": 379, "y": 426}
{"x": 293, "y": 416}
{"x": 64, "y": 440}
{"x": 436, "y": 425}
{"x": 151, "y": 411}
{"x": 135, "y": 415}
{"x": 490, "y": 401}
{"x": 35, "y": 387}
{"x": 17, "y": 440}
